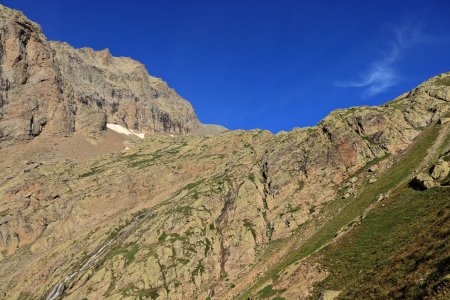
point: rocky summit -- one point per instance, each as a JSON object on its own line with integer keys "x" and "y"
{"x": 112, "y": 189}
{"x": 50, "y": 88}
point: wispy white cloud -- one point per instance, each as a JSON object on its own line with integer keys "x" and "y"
{"x": 382, "y": 73}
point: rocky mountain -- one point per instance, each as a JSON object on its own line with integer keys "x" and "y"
{"x": 354, "y": 207}
{"x": 51, "y": 88}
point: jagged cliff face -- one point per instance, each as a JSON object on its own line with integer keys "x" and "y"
{"x": 51, "y": 88}
{"x": 187, "y": 217}
{"x": 33, "y": 94}
{"x": 123, "y": 91}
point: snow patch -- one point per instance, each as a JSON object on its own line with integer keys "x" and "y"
{"x": 120, "y": 129}
{"x": 141, "y": 135}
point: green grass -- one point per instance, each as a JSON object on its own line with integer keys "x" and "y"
{"x": 370, "y": 257}
{"x": 93, "y": 171}
{"x": 443, "y": 81}
{"x": 395, "y": 103}
{"x": 151, "y": 293}
{"x": 371, "y": 163}
{"x": 162, "y": 238}
{"x": 184, "y": 210}
{"x": 300, "y": 186}
{"x": 141, "y": 160}
{"x": 4, "y": 213}
{"x": 200, "y": 269}
{"x": 269, "y": 292}
{"x": 356, "y": 206}
{"x": 293, "y": 209}
{"x": 193, "y": 185}
{"x": 266, "y": 292}
{"x": 147, "y": 161}
{"x": 250, "y": 226}
{"x": 127, "y": 252}
{"x": 25, "y": 296}
{"x": 447, "y": 157}
{"x": 189, "y": 187}
{"x": 115, "y": 231}
{"x": 208, "y": 246}
{"x": 251, "y": 176}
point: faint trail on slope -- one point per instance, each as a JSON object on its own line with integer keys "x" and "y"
{"x": 443, "y": 132}
{"x": 431, "y": 152}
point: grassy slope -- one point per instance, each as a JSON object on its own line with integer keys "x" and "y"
{"x": 355, "y": 207}
{"x": 401, "y": 249}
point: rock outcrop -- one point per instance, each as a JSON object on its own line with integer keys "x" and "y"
{"x": 424, "y": 181}
{"x": 437, "y": 176}
{"x": 51, "y": 88}
{"x": 440, "y": 170}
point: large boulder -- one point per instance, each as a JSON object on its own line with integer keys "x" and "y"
{"x": 440, "y": 170}
{"x": 424, "y": 181}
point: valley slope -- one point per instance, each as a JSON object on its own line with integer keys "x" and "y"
{"x": 321, "y": 211}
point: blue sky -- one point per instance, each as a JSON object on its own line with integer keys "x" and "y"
{"x": 264, "y": 64}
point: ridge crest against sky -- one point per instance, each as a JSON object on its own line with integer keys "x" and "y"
{"x": 263, "y": 64}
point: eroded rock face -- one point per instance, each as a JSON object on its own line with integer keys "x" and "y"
{"x": 33, "y": 96}
{"x": 128, "y": 96}
{"x": 51, "y": 88}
